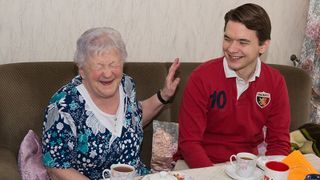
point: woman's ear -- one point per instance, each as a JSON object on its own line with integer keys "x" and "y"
{"x": 81, "y": 72}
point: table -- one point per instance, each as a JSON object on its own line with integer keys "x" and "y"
{"x": 217, "y": 171}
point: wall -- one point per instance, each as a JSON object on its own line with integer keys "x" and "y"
{"x": 154, "y": 30}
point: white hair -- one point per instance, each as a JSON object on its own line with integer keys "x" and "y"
{"x": 96, "y": 41}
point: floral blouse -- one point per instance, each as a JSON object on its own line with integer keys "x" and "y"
{"x": 74, "y": 138}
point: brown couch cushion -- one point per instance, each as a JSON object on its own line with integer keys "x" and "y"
{"x": 24, "y": 93}
{"x": 299, "y": 88}
{"x": 8, "y": 165}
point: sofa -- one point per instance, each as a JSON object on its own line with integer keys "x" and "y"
{"x": 25, "y": 89}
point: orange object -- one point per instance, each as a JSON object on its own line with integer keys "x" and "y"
{"x": 299, "y": 166}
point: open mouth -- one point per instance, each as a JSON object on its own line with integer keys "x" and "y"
{"x": 235, "y": 58}
{"x": 106, "y": 83}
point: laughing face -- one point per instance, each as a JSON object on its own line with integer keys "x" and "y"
{"x": 241, "y": 48}
{"x": 102, "y": 75}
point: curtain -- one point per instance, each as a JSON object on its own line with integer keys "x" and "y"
{"x": 310, "y": 56}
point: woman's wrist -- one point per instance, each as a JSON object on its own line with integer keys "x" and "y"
{"x": 163, "y": 101}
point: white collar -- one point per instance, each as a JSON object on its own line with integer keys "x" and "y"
{"x": 231, "y": 73}
{"x": 106, "y": 120}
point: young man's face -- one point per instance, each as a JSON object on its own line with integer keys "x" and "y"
{"x": 241, "y": 48}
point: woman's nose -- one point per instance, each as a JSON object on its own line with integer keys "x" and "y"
{"x": 107, "y": 72}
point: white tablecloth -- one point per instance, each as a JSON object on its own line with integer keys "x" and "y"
{"x": 217, "y": 171}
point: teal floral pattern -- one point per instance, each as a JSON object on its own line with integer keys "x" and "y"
{"x": 310, "y": 56}
{"x": 74, "y": 138}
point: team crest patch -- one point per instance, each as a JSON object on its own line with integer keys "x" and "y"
{"x": 263, "y": 99}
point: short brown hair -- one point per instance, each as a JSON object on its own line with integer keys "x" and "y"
{"x": 254, "y": 17}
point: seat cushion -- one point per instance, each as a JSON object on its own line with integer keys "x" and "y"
{"x": 8, "y": 165}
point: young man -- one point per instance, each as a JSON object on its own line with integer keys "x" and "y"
{"x": 227, "y": 101}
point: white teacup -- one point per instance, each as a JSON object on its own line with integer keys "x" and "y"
{"x": 119, "y": 172}
{"x": 245, "y": 164}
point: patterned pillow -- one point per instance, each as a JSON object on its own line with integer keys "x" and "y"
{"x": 30, "y": 158}
{"x": 164, "y": 145}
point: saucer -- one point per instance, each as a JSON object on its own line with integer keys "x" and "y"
{"x": 230, "y": 171}
{"x": 262, "y": 160}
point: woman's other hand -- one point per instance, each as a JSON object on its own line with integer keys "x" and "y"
{"x": 171, "y": 83}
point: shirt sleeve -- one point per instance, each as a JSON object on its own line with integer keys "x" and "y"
{"x": 59, "y": 137}
{"x": 278, "y": 123}
{"x": 192, "y": 124}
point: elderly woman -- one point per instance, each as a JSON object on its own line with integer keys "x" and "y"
{"x": 95, "y": 120}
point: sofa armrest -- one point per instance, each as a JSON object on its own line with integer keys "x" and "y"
{"x": 8, "y": 165}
